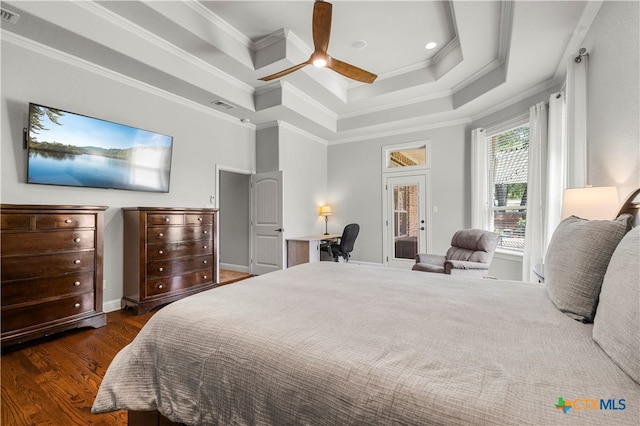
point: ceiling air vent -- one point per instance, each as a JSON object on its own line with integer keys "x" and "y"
{"x": 8, "y": 16}
{"x": 223, "y": 104}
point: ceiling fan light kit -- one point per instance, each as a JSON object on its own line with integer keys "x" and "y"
{"x": 321, "y": 32}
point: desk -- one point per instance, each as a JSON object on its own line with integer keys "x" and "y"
{"x": 306, "y": 249}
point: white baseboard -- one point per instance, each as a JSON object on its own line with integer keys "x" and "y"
{"x": 237, "y": 268}
{"x": 111, "y": 305}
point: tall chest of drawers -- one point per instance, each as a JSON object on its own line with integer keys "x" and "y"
{"x": 51, "y": 269}
{"x": 169, "y": 253}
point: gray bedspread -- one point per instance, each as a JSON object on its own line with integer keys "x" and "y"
{"x": 338, "y": 344}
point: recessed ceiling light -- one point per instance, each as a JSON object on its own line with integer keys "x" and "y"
{"x": 359, "y": 44}
{"x": 430, "y": 45}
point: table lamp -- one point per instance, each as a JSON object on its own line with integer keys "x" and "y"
{"x": 326, "y": 212}
{"x": 593, "y": 203}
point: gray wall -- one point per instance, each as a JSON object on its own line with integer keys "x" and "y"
{"x": 201, "y": 140}
{"x": 355, "y": 187}
{"x": 302, "y": 159}
{"x": 234, "y": 203}
{"x": 613, "y": 43}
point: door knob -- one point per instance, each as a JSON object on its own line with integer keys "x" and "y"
{"x": 279, "y": 230}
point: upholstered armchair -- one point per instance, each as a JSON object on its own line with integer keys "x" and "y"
{"x": 470, "y": 254}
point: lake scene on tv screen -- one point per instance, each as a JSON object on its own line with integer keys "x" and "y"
{"x": 75, "y": 150}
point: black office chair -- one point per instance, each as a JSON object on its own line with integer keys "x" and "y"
{"x": 345, "y": 247}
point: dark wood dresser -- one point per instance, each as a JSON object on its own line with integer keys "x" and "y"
{"x": 51, "y": 269}
{"x": 169, "y": 253}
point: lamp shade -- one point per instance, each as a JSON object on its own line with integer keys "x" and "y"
{"x": 325, "y": 211}
{"x": 593, "y": 203}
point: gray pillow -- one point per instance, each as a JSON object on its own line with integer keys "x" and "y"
{"x": 577, "y": 260}
{"x": 616, "y": 327}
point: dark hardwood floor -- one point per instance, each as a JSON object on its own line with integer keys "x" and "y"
{"x": 53, "y": 381}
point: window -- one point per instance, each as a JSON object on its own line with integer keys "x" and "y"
{"x": 507, "y": 171}
{"x": 405, "y": 156}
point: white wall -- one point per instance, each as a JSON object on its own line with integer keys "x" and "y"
{"x": 355, "y": 187}
{"x": 303, "y": 161}
{"x": 613, "y": 43}
{"x": 201, "y": 140}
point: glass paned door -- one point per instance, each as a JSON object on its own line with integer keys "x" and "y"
{"x": 406, "y": 220}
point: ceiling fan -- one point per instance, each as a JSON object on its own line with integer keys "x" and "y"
{"x": 320, "y": 58}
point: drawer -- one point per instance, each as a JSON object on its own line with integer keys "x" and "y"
{"x": 174, "y": 234}
{"x": 167, "y": 268}
{"x": 165, "y": 219}
{"x": 46, "y": 242}
{"x": 18, "y": 221}
{"x": 162, "y": 286}
{"x": 14, "y": 318}
{"x": 23, "y": 291}
{"x": 196, "y": 219}
{"x": 175, "y": 250}
{"x": 61, "y": 221}
{"x": 18, "y": 267}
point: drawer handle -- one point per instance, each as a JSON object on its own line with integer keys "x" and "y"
{"x": 160, "y": 252}
{"x": 77, "y": 261}
{"x": 204, "y": 276}
{"x": 77, "y": 305}
{"x": 76, "y": 240}
{"x": 199, "y": 219}
{"x": 77, "y": 283}
{"x": 205, "y": 232}
{"x": 67, "y": 221}
{"x": 161, "y": 235}
{"x": 160, "y": 269}
{"x": 160, "y": 286}
{"x": 166, "y": 219}
{"x": 204, "y": 247}
{"x": 204, "y": 261}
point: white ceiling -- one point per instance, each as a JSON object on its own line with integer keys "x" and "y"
{"x": 489, "y": 54}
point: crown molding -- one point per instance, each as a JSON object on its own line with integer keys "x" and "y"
{"x": 398, "y": 104}
{"x": 220, "y": 23}
{"x": 403, "y": 131}
{"x": 117, "y": 20}
{"x": 549, "y": 84}
{"x": 26, "y": 43}
{"x": 589, "y": 14}
{"x": 506, "y": 27}
{"x": 288, "y": 87}
{"x": 291, "y": 127}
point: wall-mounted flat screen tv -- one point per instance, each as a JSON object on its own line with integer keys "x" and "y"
{"x": 75, "y": 150}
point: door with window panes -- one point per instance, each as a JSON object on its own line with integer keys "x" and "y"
{"x": 406, "y": 227}
{"x": 405, "y": 179}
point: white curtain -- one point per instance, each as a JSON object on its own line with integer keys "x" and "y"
{"x": 576, "y": 155}
{"x": 534, "y": 244}
{"x": 479, "y": 196}
{"x": 556, "y": 164}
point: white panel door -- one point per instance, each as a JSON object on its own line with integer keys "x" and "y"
{"x": 405, "y": 221}
{"x": 266, "y": 223}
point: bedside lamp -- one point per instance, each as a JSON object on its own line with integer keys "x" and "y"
{"x": 593, "y": 203}
{"x": 326, "y": 212}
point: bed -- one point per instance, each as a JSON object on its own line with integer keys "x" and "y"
{"x": 341, "y": 344}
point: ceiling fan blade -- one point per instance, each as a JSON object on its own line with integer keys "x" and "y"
{"x": 285, "y": 72}
{"x": 321, "y": 25}
{"x": 350, "y": 71}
